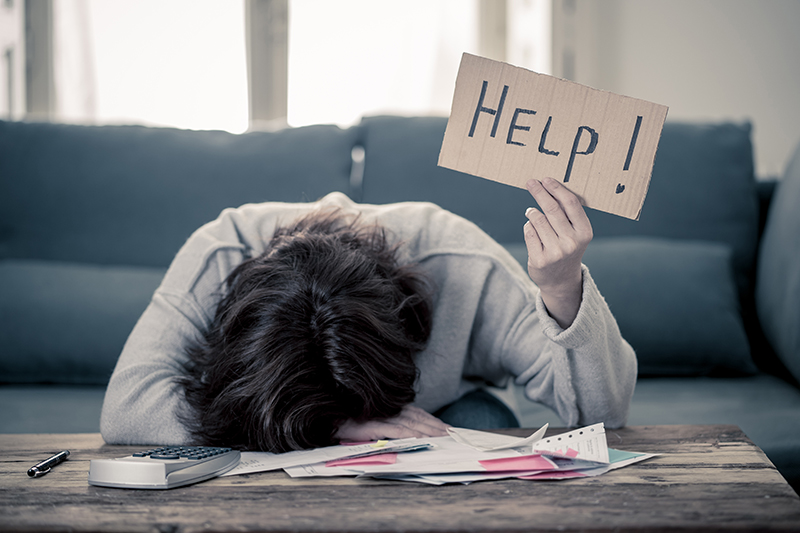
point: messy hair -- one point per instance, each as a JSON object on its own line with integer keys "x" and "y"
{"x": 321, "y": 328}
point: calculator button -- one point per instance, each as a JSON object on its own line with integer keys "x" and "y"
{"x": 165, "y": 455}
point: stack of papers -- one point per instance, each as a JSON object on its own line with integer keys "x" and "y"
{"x": 464, "y": 456}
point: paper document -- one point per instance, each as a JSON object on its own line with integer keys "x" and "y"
{"x": 465, "y": 456}
{"x": 588, "y": 443}
{"x": 265, "y": 461}
{"x": 485, "y": 441}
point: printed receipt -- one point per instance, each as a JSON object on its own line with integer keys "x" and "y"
{"x": 587, "y": 443}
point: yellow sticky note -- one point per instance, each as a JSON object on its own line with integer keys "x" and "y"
{"x": 380, "y": 444}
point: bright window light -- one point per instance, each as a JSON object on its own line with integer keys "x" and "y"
{"x": 351, "y": 58}
{"x": 182, "y": 63}
{"x": 178, "y": 63}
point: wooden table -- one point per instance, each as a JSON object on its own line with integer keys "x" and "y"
{"x": 709, "y": 478}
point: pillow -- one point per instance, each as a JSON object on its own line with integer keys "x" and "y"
{"x": 675, "y": 302}
{"x": 67, "y": 323}
{"x": 778, "y": 281}
{"x": 132, "y": 195}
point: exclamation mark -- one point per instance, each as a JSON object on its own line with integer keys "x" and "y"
{"x": 633, "y": 142}
{"x": 621, "y": 187}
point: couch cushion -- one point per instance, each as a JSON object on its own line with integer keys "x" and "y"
{"x": 132, "y": 195}
{"x": 778, "y": 282}
{"x": 67, "y": 323}
{"x": 675, "y": 303}
{"x": 51, "y": 408}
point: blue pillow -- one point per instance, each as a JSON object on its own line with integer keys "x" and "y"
{"x": 67, "y": 322}
{"x": 676, "y": 303}
{"x": 132, "y": 195}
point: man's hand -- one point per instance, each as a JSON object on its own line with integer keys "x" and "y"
{"x": 556, "y": 238}
{"x": 411, "y": 422}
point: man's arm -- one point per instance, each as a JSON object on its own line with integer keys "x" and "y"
{"x": 592, "y": 369}
{"x": 556, "y": 238}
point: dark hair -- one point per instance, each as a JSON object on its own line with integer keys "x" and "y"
{"x": 321, "y": 328}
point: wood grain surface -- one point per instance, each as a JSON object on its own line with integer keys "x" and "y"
{"x": 707, "y": 478}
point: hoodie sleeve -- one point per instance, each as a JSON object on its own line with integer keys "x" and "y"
{"x": 586, "y": 373}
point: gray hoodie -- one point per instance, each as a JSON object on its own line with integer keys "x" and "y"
{"x": 489, "y": 322}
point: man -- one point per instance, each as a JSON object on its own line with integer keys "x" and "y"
{"x": 286, "y": 326}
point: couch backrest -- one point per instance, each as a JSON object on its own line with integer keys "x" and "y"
{"x": 401, "y": 155}
{"x": 132, "y": 195}
{"x": 90, "y": 216}
{"x": 703, "y": 188}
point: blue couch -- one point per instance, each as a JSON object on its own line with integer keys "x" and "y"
{"x": 706, "y": 286}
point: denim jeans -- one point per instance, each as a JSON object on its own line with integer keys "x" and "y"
{"x": 478, "y": 410}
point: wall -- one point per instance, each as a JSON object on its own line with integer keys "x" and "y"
{"x": 705, "y": 59}
{"x": 12, "y": 60}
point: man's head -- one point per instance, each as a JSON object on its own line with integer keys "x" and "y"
{"x": 321, "y": 328}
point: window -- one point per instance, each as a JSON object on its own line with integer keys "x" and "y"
{"x": 351, "y": 58}
{"x": 183, "y": 63}
{"x": 156, "y": 62}
{"x": 12, "y": 59}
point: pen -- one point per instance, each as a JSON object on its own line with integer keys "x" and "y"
{"x": 44, "y": 467}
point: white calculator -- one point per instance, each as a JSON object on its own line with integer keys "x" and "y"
{"x": 165, "y": 467}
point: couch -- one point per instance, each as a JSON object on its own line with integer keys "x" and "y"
{"x": 705, "y": 286}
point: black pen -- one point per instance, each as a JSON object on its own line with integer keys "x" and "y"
{"x": 44, "y": 467}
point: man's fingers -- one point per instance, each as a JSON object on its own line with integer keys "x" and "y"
{"x": 411, "y": 422}
{"x": 541, "y": 226}
{"x": 389, "y": 430}
{"x": 424, "y": 417}
{"x": 375, "y": 430}
{"x": 570, "y": 204}
{"x": 418, "y": 420}
{"x": 551, "y": 208}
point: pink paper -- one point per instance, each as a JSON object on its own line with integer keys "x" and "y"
{"x": 378, "y": 459}
{"x": 571, "y": 453}
{"x": 522, "y": 463}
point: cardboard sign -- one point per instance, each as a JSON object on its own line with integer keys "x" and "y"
{"x": 509, "y": 124}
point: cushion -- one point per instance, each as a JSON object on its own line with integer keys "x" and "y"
{"x": 675, "y": 302}
{"x": 51, "y": 408}
{"x": 778, "y": 280}
{"x": 67, "y": 323}
{"x": 132, "y": 195}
